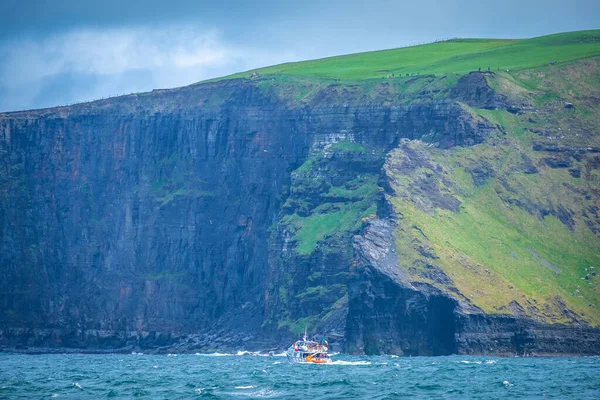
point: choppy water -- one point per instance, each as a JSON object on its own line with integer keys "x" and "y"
{"x": 221, "y": 376}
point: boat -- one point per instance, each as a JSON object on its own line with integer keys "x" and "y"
{"x": 308, "y": 352}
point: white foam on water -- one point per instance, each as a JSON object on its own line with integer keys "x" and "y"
{"x": 470, "y": 362}
{"x": 257, "y": 394}
{"x": 491, "y": 361}
{"x": 277, "y": 362}
{"x": 77, "y": 385}
{"x": 171, "y": 355}
{"x": 507, "y": 383}
{"x": 251, "y": 353}
{"x": 382, "y": 363}
{"x": 215, "y": 354}
{"x": 340, "y": 362}
{"x": 54, "y": 395}
{"x": 394, "y": 356}
{"x": 244, "y": 387}
{"x": 258, "y": 354}
{"x": 133, "y": 353}
{"x": 156, "y": 366}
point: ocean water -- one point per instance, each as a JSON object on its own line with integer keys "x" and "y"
{"x": 248, "y": 376}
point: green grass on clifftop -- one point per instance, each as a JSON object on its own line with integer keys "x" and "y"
{"x": 452, "y": 56}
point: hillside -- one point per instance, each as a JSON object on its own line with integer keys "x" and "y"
{"x": 448, "y": 211}
{"x": 523, "y": 235}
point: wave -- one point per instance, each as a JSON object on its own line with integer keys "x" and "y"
{"x": 340, "y": 362}
{"x": 245, "y": 387}
{"x": 247, "y": 353}
{"x": 258, "y": 354}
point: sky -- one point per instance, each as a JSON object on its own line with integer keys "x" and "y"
{"x": 58, "y": 52}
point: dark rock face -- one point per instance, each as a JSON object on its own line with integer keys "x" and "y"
{"x": 147, "y": 222}
{"x": 140, "y": 222}
{"x": 474, "y": 90}
{"x": 479, "y": 334}
{"x": 387, "y": 318}
{"x": 386, "y": 313}
{"x": 557, "y": 162}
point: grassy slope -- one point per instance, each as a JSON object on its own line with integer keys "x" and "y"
{"x": 454, "y": 56}
{"x": 496, "y": 252}
{"x": 506, "y": 244}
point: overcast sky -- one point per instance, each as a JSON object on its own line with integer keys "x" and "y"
{"x": 56, "y": 52}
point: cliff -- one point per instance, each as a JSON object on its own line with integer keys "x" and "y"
{"x": 416, "y": 215}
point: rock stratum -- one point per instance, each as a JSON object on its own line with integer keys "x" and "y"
{"x": 417, "y": 215}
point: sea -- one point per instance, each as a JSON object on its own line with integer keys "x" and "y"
{"x": 253, "y": 376}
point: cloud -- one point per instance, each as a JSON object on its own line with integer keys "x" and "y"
{"x": 39, "y": 72}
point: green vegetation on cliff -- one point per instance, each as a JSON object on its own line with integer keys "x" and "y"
{"x": 524, "y": 237}
{"x": 320, "y": 207}
{"x": 327, "y": 205}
